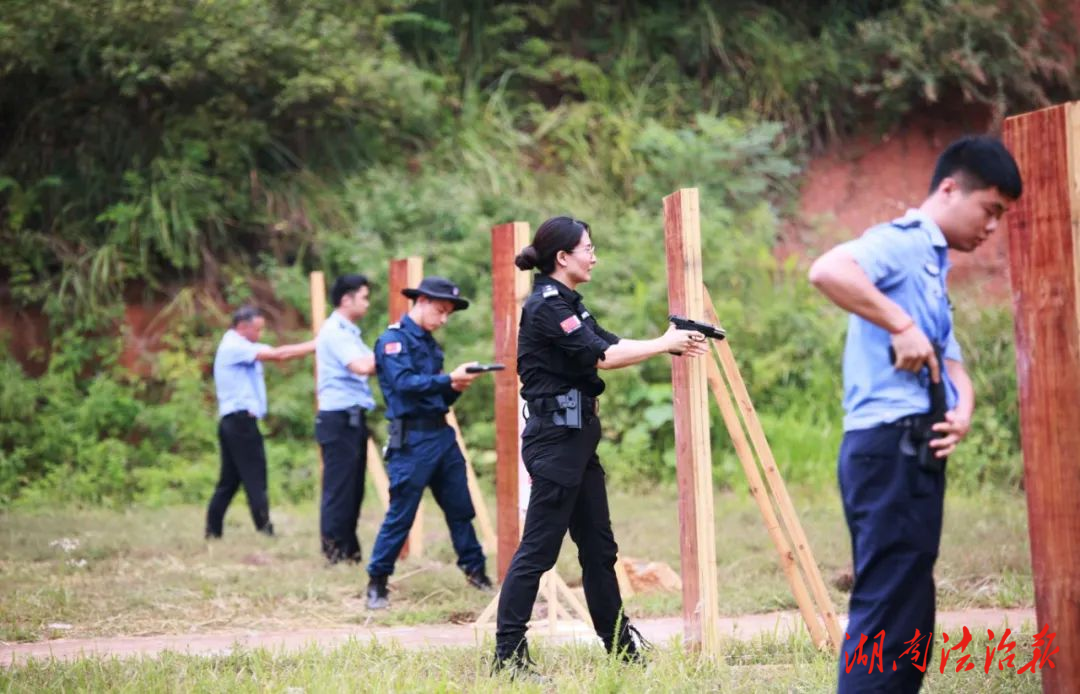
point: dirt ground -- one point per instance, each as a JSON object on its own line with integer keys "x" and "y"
{"x": 662, "y": 632}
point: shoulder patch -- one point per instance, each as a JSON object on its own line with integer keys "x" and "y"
{"x": 550, "y": 291}
{"x": 393, "y": 326}
{"x": 570, "y": 324}
{"x": 392, "y": 348}
{"x": 914, "y": 224}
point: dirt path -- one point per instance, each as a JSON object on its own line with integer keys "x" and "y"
{"x": 659, "y": 631}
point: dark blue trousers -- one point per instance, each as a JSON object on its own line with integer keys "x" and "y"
{"x": 428, "y": 459}
{"x": 343, "y": 441}
{"x": 894, "y": 513}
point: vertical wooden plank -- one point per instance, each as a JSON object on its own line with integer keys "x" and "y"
{"x": 509, "y": 288}
{"x": 406, "y": 273}
{"x": 682, "y": 237}
{"x": 317, "y": 295}
{"x": 1044, "y": 263}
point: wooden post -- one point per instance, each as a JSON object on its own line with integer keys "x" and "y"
{"x": 317, "y": 294}
{"x": 682, "y": 237}
{"x": 510, "y": 287}
{"x": 406, "y": 273}
{"x": 1044, "y": 264}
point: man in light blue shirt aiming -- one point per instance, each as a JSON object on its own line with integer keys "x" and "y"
{"x": 344, "y": 363}
{"x": 241, "y": 396}
{"x": 908, "y": 402}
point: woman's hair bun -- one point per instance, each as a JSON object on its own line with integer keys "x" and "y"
{"x": 527, "y": 259}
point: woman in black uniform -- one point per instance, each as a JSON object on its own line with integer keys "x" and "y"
{"x": 560, "y": 348}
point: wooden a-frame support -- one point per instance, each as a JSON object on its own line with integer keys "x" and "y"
{"x": 688, "y": 296}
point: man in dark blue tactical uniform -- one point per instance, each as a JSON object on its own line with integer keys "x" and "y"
{"x": 892, "y": 459}
{"x": 422, "y": 449}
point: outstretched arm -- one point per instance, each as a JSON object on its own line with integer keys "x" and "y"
{"x": 629, "y": 352}
{"x": 286, "y": 352}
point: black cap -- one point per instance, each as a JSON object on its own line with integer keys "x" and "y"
{"x": 438, "y": 288}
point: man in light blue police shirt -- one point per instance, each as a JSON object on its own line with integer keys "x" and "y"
{"x": 241, "y": 396}
{"x": 344, "y": 363}
{"x": 422, "y": 449}
{"x": 891, "y": 465}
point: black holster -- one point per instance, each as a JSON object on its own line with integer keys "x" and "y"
{"x": 565, "y": 409}
{"x": 915, "y": 442}
{"x": 395, "y": 438}
{"x": 569, "y": 414}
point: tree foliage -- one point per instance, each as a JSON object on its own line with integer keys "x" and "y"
{"x": 146, "y": 146}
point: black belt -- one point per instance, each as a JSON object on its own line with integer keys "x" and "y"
{"x": 235, "y": 413}
{"x": 343, "y": 413}
{"x": 913, "y": 421}
{"x": 431, "y": 423}
{"x": 549, "y": 405}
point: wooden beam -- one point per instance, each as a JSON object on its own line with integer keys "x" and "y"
{"x": 483, "y": 518}
{"x": 509, "y": 288}
{"x": 406, "y": 273}
{"x": 775, "y": 482}
{"x": 317, "y": 295}
{"x": 379, "y": 480}
{"x": 697, "y": 538}
{"x": 760, "y": 494}
{"x": 1044, "y": 264}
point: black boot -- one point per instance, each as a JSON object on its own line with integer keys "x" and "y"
{"x": 378, "y": 595}
{"x": 479, "y": 579}
{"x": 515, "y": 661}
{"x": 630, "y": 646}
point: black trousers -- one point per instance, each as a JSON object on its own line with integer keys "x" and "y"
{"x": 243, "y": 461}
{"x": 342, "y": 437}
{"x": 580, "y": 507}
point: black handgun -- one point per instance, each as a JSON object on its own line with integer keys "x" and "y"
{"x": 939, "y": 405}
{"x": 706, "y": 329}
{"x": 482, "y": 368}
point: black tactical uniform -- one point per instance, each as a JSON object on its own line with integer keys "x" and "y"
{"x": 559, "y": 345}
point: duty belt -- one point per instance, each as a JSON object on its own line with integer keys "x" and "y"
{"x": 572, "y": 400}
{"x": 548, "y": 405}
{"x": 429, "y": 423}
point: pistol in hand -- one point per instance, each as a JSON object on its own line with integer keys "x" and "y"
{"x": 706, "y": 329}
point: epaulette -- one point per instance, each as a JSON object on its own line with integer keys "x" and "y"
{"x": 914, "y": 224}
{"x": 550, "y": 291}
{"x": 394, "y": 326}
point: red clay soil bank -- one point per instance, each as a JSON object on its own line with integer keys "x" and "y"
{"x": 871, "y": 178}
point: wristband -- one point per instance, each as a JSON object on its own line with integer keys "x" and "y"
{"x": 907, "y": 326}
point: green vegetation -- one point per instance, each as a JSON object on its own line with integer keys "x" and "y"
{"x": 200, "y": 151}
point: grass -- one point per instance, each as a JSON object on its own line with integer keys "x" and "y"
{"x": 89, "y": 573}
{"x": 766, "y": 664}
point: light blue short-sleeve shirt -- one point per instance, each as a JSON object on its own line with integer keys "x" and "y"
{"x": 337, "y": 345}
{"x": 907, "y": 260}
{"x": 238, "y": 376}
